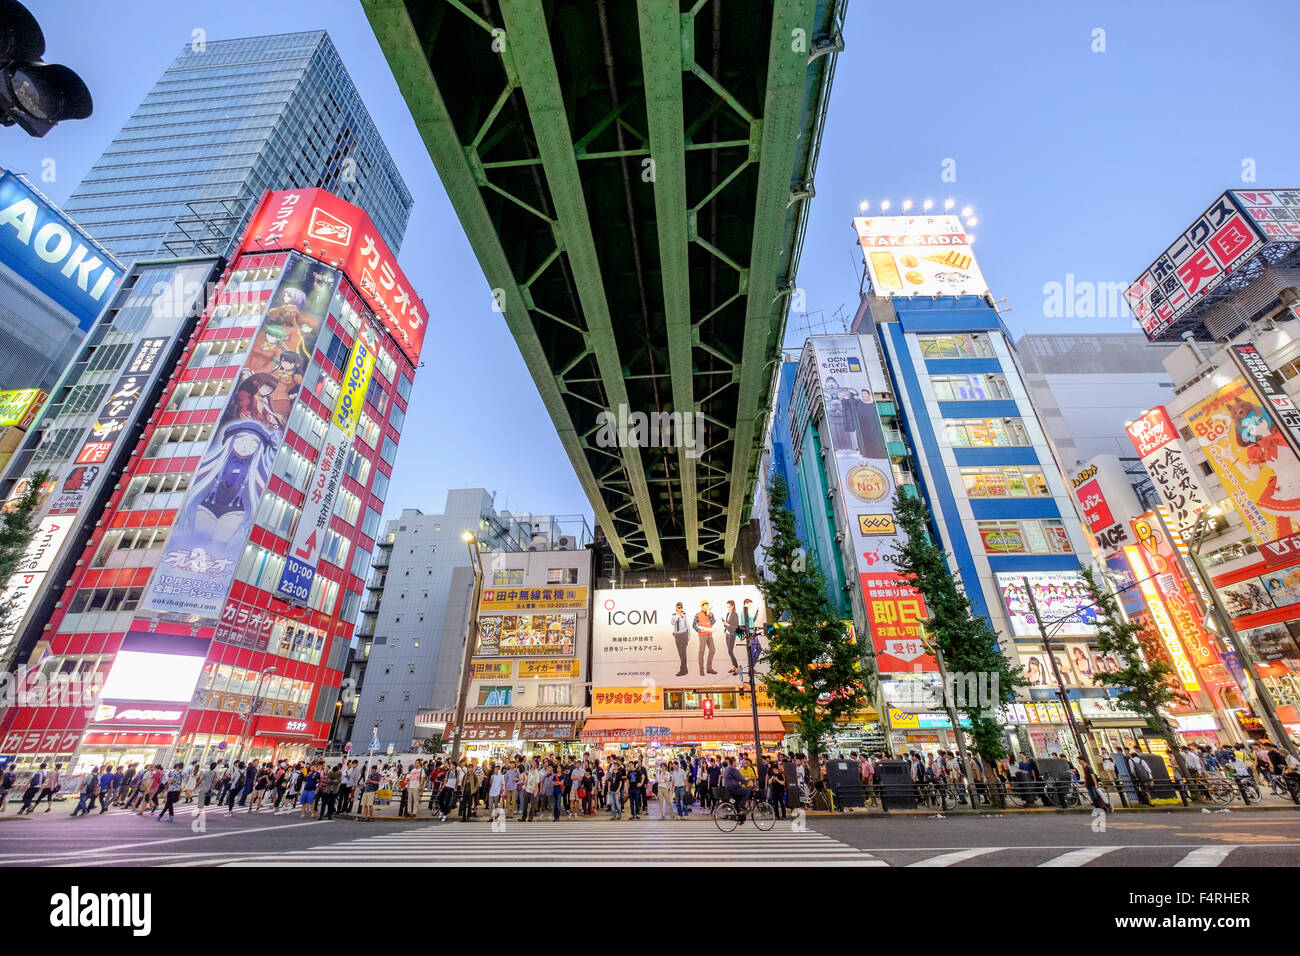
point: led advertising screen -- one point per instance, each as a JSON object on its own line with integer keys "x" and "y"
{"x": 214, "y": 519}
{"x": 140, "y": 675}
{"x": 919, "y": 255}
{"x": 1063, "y": 600}
{"x": 674, "y": 637}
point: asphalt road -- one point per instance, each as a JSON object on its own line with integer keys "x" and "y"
{"x": 1222, "y": 839}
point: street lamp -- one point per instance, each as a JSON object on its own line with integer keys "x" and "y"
{"x": 1223, "y": 623}
{"x": 257, "y": 699}
{"x": 471, "y": 633}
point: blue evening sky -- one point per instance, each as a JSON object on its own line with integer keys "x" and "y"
{"x": 1074, "y": 161}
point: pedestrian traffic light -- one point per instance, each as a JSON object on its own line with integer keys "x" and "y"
{"x": 34, "y": 94}
{"x": 707, "y": 707}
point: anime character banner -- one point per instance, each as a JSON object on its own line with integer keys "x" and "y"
{"x": 1248, "y": 451}
{"x": 213, "y": 523}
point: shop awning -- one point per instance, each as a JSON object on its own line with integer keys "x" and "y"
{"x": 493, "y": 715}
{"x": 695, "y": 729}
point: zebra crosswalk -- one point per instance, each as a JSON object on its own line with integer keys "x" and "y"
{"x": 668, "y": 844}
{"x": 654, "y": 844}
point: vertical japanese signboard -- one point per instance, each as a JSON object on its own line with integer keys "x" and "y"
{"x": 1107, "y": 500}
{"x": 1164, "y": 458}
{"x": 846, "y": 366}
{"x": 322, "y": 491}
{"x": 198, "y": 564}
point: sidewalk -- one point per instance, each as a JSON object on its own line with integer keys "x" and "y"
{"x": 1270, "y": 803}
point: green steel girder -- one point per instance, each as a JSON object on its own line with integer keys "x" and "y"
{"x": 661, "y": 291}
{"x": 661, "y": 32}
{"x": 530, "y": 43}
{"x": 408, "y": 62}
{"x": 783, "y": 111}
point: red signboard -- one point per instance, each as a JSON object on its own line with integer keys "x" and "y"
{"x": 284, "y": 727}
{"x": 895, "y": 611}
{"x": 320, "y": 224}
{"x": 1281, "y": 552}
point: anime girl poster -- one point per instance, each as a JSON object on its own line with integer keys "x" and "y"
{"x": 1248, "y": 452}
{"x": 213, "y": 523}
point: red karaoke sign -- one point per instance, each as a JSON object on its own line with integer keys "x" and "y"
{"x": 326, "y": 227}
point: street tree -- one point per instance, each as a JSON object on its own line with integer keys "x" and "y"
{"x": 432, "y": 744}
{"x": 1145, "y": 674}
{"x": 966, "y": 641}
{"x": 17, "y": 524}
{"x": 815, "y": 671}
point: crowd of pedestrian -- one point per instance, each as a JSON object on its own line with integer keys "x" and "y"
{"x": 633, "y": 787}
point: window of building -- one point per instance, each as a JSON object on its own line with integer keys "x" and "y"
{"x": 494, "y": 696}
{"x": 955, "y": 345}
{"x": 560, "y": 694}
{"x": 1028, "y": 536}
{"x": 691, "y": 699}
{"x": 985, "y": 432}
{"x": 370, "y": 527}
{"x": 509, "y": 578}
{"x": 1005, "y": 481}
{"x": 969, "y": 388}
{"x": 561, "y": 576}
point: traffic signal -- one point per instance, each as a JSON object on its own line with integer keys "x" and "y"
{"x": 34, "y": 94}
{"x": 707, "y": 707}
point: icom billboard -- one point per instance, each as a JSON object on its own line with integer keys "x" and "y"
{"x": 664, "y": 637}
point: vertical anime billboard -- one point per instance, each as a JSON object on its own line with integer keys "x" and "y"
{"x": 213, "y": 523}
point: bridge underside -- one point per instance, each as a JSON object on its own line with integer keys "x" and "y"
{"x": 633, "y": 178}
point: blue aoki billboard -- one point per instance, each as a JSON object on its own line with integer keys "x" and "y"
{"x": 52, "y": 252}
{"x": 212, "y": 525}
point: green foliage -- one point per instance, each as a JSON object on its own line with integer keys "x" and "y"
{"x": 1148, "y": 685}
{"x": 815, "y": 672}
{"x": 969, "y": 644}
{"x": 432, "y": 745}
{"x": 16, "y": 528}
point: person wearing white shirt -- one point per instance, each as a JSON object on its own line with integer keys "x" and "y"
{"x": 414, "y": 784}
{"x": 531, "y": 785}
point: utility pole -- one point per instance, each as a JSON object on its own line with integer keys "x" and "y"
{"x": 1056, "y": 671}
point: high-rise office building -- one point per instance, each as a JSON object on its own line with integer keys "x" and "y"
{"x": 228, "y": 120}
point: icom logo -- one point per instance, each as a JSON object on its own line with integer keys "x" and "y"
{"x": 635, "y": 616}
{"x": 329, "y": 228}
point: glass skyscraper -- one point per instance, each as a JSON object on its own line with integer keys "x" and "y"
{"x": 228, "y": 120}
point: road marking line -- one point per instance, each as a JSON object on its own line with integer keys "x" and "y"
{"x": 1207, "y": 856}
{"x": 948, "y": 859}
{"x": 1080, "y": 857}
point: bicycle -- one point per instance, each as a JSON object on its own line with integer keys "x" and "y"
{"x": 937, "y": 794}
{"x": 1062, "y": 794}
{"x": 727, "y": 816}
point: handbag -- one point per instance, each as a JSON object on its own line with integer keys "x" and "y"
{"x": 582, "y": 793}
